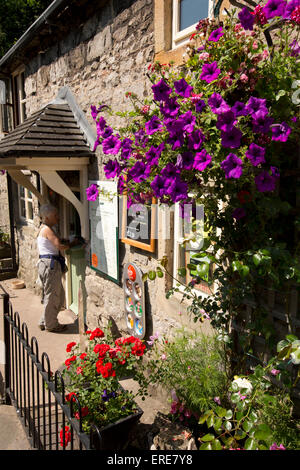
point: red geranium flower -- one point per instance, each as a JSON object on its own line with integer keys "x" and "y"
{"x": 106, "y": 370}
{"x": 97, "y": 333}
{"x": 70, "y": 395}
{"x": 138, "y": 348}
{"x": 65, "y": 439}
{"x": 84, "y": 412}
{"x": 70, "y": 346}
{"x": 244, "y": 197}
{"x": 69, "y": 361}
{"x": 101, "y": 349}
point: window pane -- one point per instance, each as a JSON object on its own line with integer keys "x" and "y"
{"x": 22, "y": 191}
{"x": 22, "y": 207}
{"x": 30, "y": 211}
{"x": 191, "y": 11}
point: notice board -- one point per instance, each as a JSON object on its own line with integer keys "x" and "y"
{"x": 104, "y": 229}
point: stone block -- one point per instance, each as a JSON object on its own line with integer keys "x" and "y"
{"x": 101, "y": 43}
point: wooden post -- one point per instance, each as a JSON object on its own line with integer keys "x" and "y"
{"x": 81, "y": 325}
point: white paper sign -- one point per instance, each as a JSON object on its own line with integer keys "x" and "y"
{"x": 103, "y": 214}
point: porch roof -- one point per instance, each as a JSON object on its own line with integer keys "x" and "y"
{"x": 53, "y": 131}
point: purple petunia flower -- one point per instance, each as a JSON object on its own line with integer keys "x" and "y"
{"x": 265, "y": 182}
{"x": 188, "y": 120}
{"x": 262, "y": 123}
{"x": 274, "y": 8}
{"x": 256, "y": 105}
{"x": 159, "y": 185}
{"x": 281, "y": 132}
{"x": 161, "y": 91}
{"x": 95, "y": 111}
{"x": 92, "y": 192}
{"x": 226, "y": 121}
{"x": 100, "y": 125}
{"x": 295, "y": 48}
{"x": 111, "y": 145}
{"x": 139, "y": 171}
{"x": 232, "y": 138}
{"x": 202, "y": 160}
{"x": 170, "y": 171}
{"x": 140, "y": 138}
{"x": 199, "y": 106}
{"x": 239, "y": 109}
{"x": 177, "y": 190}
{"x": 196, "y": 139}
{"x": 176, "y": 140}
{"x": 210, "y": 72}
{"x": 217, "y": 103}
{"x": 107, "y": 131}
{"x": 256, "y": 154}
{"x": 153, "y": 125}
{"x": 216, "y": 34}
{"x": 182, "y": 88}
{"x": 246, "y": 19}
{"x": 170, "y": 108}
{"x": 233, "y": 166}
{"x": 153, "y": 154}
{"x": 290, "y": 7}
{"x": 238, "y": 213}
{"x": 185, "y": 161}
{"x": 275, "y": 172}
{"x": 126, "y": 148}
{"x": 112, "y": 169}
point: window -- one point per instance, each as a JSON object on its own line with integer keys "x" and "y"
{"x": 6, "y": 107}
{"x": 183, "y": 256}
{"x": 19, "y": 98}
{"x": 25, "y": 204}
{"x": 186, "y": 14}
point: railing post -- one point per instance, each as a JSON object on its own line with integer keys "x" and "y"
{"x": 6, "y": 332}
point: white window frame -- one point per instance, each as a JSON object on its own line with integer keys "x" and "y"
{"x": 27, "y": 199}
{"x": 18, "y": 78}
{"x": 179, "y": 38}
{"x": 178, "y": 237}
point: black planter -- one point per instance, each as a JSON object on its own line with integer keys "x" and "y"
{"x": 114, "y": 436}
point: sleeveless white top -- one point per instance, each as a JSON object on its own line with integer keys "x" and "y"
{"x": 46, "y": 247}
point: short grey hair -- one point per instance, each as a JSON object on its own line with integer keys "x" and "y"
{"x": 46, "y": 209}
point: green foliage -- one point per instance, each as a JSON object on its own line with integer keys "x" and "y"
{"x": 193, "y": 366}
{"x": 258, "y": 414}
{"x": 15, "y": 18}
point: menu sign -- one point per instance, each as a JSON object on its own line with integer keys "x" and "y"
{"x": 134, "y": 300}
{"x": 103, "y": 214}
{"x": 139, "y": 225}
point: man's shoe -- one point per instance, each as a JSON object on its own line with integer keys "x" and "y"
{"x": 42, "y": 327}
{"x": 57, "y": 329}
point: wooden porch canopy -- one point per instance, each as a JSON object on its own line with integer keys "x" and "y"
{"x": 48, "y": 141}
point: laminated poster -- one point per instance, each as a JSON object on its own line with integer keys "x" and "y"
{"x": 103, "y": 215}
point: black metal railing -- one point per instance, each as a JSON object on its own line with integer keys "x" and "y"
{"x": 37, "y": 394}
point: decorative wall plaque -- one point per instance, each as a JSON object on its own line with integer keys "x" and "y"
{"x": 134, "y": 300}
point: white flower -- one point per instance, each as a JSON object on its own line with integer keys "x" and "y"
{"x": 243, "y": 384}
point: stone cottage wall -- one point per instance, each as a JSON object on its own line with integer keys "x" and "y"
{"x": 99, "y": 63}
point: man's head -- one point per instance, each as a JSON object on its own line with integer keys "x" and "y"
{"x": 49, "y": 215}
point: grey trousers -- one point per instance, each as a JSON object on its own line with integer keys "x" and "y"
{"x": 53, "y": 294}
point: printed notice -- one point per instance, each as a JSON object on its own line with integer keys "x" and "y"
{"x": 103, "y": 214}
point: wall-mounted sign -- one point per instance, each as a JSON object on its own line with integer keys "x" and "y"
{"x": 134, "y": 300}
{"x": 103, "y": 214}
{"x": 139, "y": 225}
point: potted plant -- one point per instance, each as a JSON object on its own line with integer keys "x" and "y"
{"x": 92, "y": 379}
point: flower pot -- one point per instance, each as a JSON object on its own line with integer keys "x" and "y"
{"x": 114, "y": 436}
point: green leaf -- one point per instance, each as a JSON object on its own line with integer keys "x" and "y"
{"x": 247, "y": 425}
{"x": 228, "y": 414}
{"x": 151, "y": 275}
{"x": 221, "y": 412}
{"x": 216, "y": 445}
{"x": 239, "y": 434}
{"x": 250, "y": 444}
{"x": 145, "y": 277}
{"x": 262, "y": 432}
{"x": 207, "y": 438}
{"x": 280, "y": 94}
{"x": 257, "y": 259}
{"x": 206, "y": 446}
{"x": 159, "y": 273}
{"x": 204, "y": 417}
{"x": 210, "y": 421}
